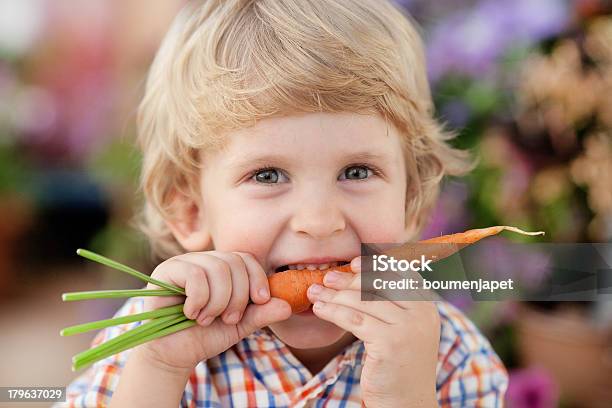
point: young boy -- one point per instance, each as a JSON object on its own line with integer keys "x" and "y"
{"x": 281, "y": 134}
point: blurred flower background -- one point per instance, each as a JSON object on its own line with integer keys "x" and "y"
{"x": 526, "y": 85}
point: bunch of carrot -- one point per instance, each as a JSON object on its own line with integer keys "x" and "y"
{"x": 290, "y": 285}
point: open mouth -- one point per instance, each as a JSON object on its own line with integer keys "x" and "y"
{"x": 310, "y": 267}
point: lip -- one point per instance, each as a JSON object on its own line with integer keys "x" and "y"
{"x": 316, "y": 261}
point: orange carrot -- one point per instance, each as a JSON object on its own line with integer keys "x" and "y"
{"x": 473, "y": 235}
{"x": 292, "y": 285}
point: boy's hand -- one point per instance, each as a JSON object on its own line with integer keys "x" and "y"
{"x": 401, "y": 339}
{"x": 216, "y": 284}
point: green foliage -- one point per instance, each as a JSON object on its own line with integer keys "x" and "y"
{"x": 15, "y": 172}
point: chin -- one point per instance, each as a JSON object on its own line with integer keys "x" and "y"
{"x": 307, "y": 331}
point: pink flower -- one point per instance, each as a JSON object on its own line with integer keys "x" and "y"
{"x": 532, "y": 387}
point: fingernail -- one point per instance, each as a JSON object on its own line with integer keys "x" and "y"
{"x": 263, "y": 292}
{"x": 331, "y": 277}
{"x": 315, "y": 289}
{"x": 233, "y": 317}
{"x": 318, "y": 305}
{"x": 208, "y": 320}
{"x": 356, "y": 264}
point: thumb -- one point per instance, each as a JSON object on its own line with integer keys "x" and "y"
{"x": 258, "y": 316}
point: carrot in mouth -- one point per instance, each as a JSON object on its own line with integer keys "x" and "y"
{"x": 292, "y": 285}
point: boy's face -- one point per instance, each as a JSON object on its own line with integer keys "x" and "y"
{"x": 305, "y": 189}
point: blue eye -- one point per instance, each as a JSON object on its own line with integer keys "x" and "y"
{"x": 356, "y": 173}
{"x": 267, "y": 176}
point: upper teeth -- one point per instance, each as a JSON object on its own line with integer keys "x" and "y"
{"x": 313, "y": 267}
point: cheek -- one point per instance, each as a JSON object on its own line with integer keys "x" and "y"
{"x": 381, "y": 230}
{"x": 242, "y": 225}
{"x": 381, "y": 218}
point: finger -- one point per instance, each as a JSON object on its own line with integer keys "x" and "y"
{"x": 189, "y": 276}
{"x": 157, "y": 302}
{"x": 259, "y": 288}
{"x": 342, "y": 280}
{"x": 345, "y": 280}
{"x": 239, "y": 297}
{"x": 258, "y": 279}
{"x": 356, "y": 264}
{"x": 353, "y": 281}
{"x": 381, "y": 309}
{"x": 258, "y": 316}
{"x": 361, "y": 324}
{"x": 219, "y": 276}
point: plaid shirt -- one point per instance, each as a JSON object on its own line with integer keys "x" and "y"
{"x": 260, "y": 371}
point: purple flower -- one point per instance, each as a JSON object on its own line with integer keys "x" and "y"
{"x": 505, "y": 313}
{"x": 500, "y": 260}
{"x": 407, "y": 4}
{"x": 535, "y": 20}
{"x": 456, "y": 113}
{"x": 470, "y": 42}
{"x": 450, "y": 213}
{"x": 532, "y": 387}
{"x": 462, "y": 301}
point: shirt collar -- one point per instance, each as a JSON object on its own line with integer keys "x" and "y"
{"x": 352, "y": 355}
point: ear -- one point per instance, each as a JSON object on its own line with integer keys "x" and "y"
{"x": 188, "y": 225}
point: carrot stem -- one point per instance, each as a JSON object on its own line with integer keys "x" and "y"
{"x": 101, "y": 324}
{"x": 101, "y": 351}
{"x": 124, "y": 268}
{"x": 176, "y": 325}
{"x": 114, "y": 294}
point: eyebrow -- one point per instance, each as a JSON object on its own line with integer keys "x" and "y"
{"x": 264, "y": 160}
{"x": 366, "y": 156}
{"x": 283, "y": 161}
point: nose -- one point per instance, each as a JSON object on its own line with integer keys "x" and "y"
{"x": 318, "y": 215}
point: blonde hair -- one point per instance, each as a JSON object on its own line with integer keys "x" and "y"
{"x": 225, "y": 64}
